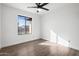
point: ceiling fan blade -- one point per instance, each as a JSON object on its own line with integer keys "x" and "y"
{"x": 43, "y": 4}
{"x": 37, "y": 4}
{"x": 32, "y": 7}
{"x": 45, "y": 8}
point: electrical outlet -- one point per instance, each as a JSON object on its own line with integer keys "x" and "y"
{"x": 69, "y": 41}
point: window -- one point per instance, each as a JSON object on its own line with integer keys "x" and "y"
{"x": 24, "y": 25}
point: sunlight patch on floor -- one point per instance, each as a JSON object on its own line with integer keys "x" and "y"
{"x": 58, "y": 39}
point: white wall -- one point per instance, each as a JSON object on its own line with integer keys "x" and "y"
{"x": 9, "y": 27}
{"x": 0, "y": 24}
{"x": 63, "y": 22}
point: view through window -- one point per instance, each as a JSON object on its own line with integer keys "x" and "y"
{"x": 24, "y": 25}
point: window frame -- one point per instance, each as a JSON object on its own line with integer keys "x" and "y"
{"x": 25, "y": 32}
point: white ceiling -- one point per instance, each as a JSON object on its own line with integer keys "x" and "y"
{"x": 23, "y": 6}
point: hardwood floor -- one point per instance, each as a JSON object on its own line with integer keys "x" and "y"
{"x": 38, "y": 47}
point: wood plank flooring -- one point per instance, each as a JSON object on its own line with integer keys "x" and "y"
{"x": 38, "y": 47}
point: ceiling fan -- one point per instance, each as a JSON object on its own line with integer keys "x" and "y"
{"x": 40, "y": 6}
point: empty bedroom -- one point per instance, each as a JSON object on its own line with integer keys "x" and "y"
{"x": 39, "y": 29}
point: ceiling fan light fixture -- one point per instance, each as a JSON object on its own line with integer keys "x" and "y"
{"x": 38, "y": 9}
